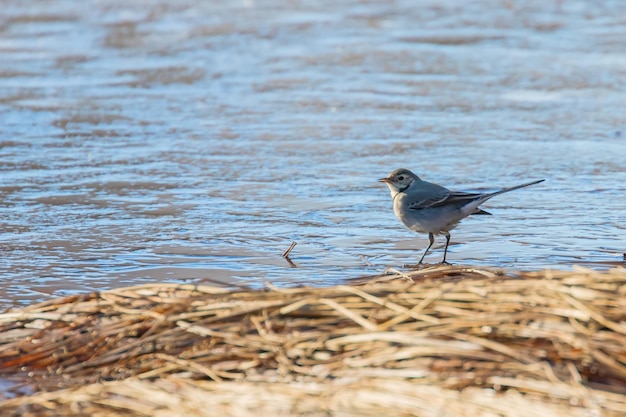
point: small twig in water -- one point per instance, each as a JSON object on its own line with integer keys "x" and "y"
{"x": 289, "y": 249}
{"x": 365, "y": 259}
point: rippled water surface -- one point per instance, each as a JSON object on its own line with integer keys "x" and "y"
{"x": 193, "y": 141}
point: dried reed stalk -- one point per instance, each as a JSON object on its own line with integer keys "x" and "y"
{"x": 424, "y": 343}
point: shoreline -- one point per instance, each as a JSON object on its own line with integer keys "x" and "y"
{"x": 446, "y": 339}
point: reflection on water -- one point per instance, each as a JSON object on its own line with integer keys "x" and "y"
{"x": 195, "y": 141}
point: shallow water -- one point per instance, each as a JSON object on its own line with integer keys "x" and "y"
{"x": 193, "y": 142}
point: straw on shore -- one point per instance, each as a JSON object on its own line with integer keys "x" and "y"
{"x": 445, "y": 341}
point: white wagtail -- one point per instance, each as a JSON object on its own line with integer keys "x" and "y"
{"x": 430, "y": 208}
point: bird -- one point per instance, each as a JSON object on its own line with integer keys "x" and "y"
{"x": 425, "y": 207}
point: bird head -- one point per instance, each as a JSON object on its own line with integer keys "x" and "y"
{"x": 399, "y": 180}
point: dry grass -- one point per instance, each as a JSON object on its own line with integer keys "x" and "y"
{"x": 445, "y": 341}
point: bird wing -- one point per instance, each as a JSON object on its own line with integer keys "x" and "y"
{"x": 458, "y": 198}
{"x": 426, "y": 195}
{"x": 432, "y": 197}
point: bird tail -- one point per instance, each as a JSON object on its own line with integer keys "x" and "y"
{"x": 506, "y": 190}
{"x": 471, "y": 207}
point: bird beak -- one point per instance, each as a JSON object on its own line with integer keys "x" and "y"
{"x": 385, "y": 180}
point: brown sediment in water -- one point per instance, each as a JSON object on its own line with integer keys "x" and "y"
{"x": 432, "y": 342}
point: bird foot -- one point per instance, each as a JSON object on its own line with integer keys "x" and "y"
{"x": 423, "y": 265}
{"x": 415, "y": 266}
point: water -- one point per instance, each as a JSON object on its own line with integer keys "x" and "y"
{"x": 194, "y": 141}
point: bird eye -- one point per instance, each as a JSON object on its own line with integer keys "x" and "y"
{"x": 401, "y": 178}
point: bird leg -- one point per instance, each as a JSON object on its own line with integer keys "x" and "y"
{"x": 431, "y": 238}
{"x": 445, "y": 251}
